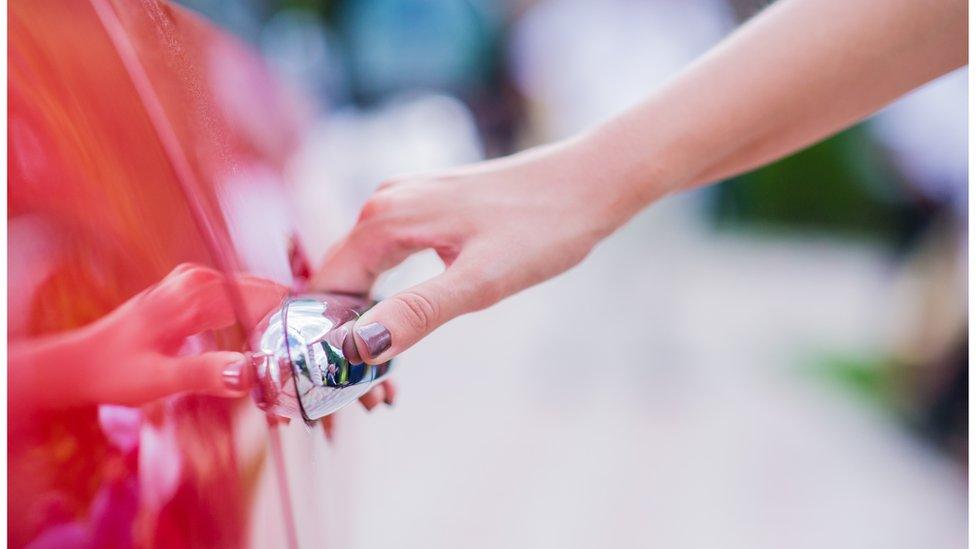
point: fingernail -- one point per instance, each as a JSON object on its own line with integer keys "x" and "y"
{"x": 350, "y": 350}
{"x": 376, "y": 337}
{"x": 233, "y": 375}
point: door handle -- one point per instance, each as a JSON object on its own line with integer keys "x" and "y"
{"x": 301, "y": 370}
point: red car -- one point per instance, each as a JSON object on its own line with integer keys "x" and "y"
{"x": 143, "y": 147}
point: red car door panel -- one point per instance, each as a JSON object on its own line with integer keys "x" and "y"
{"x": 139, "y": 138}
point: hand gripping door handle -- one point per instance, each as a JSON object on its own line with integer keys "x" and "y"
{"x": 301, "y": 370}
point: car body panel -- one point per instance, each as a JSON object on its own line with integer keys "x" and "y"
{"x": 139, "y": 138}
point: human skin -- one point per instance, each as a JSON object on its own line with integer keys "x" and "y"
{"x": 133, "y": 355}
{"x": 796, "y": 73}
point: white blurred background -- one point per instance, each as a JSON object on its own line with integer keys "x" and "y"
{"x": 779, "y": 361}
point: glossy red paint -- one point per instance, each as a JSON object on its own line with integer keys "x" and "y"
{"x": 140, "y": 137}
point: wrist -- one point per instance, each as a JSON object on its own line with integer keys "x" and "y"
{"x": 33, "y": 369}
{"x": 622, "y": 177}
{"x": 37, "y": 367}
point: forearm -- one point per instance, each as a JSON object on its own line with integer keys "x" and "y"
{"x": 36, "y": 366}
{"x": 134, "y": 354}
{"x": 798, "y": 72}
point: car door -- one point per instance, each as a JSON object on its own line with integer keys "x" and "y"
{"x": 140, "y": 138}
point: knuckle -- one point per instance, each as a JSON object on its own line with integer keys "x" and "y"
{"x": 418, "y": 311}
{"x": 381, "y": 203}
{"x": 193, "y": 311}
{"x": 403, "y": 238}
{"x": 387, "y": 184}
{"x": 487, "y": 292}
{"x": 198, "y": 275}
{"x": 486, "y": 283}
{"x": 182, "y": 268}
{"x": 191, "y": 269}
{"x": 393, "y": 198}
{"x": 204, "y": 273}
{"x": 196, "y": 297}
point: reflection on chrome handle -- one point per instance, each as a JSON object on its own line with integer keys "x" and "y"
{"x": 301, "y": 369}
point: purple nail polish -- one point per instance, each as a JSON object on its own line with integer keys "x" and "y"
{"x": 349, "y": 349}
{"x": 376, "y": 337}
{"x": 233, "y": 375}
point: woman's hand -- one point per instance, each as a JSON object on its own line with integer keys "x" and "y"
{"x": 137, "y": 352}
{"x": 766, "y": 91}
{"x": 499, "y": 226}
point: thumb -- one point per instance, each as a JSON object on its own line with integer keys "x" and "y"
{"x": 219, "y": 373}
{"x": 396, "y": 323}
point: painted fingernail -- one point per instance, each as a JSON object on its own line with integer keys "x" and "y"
{"x": 376, "y": 337}
{"x": 233, "y": 375}
{"x": 350, "y": 350}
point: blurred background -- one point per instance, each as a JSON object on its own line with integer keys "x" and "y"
{"x": 791, "y": 366}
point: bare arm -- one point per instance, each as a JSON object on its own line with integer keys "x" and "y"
{"x": 799, "y": 71}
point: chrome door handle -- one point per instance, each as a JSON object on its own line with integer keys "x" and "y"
{"x": 301, "y": 370}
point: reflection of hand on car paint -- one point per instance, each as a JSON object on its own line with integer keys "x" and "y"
{"x": 132, "y": 355}
{"x": 137, "y": 353}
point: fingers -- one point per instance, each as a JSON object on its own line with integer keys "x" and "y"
{"x": 389, "y": 392}
{"x": 372, "y": 398}
{"x": 384, "y": 392}
{"x": 260, "y": 296}
{"x": 353, "y": 264}
{"x": 194, "y": 299}
{"x": 398, "y": 220}
{"x": 328, "y": 427}
{"x": 136, "y": 343}
{"x": 154, "y": 376}
{"x": 396, "y": 323}
{"x": 348, "y": 267}
{"x": 219, "y": 373}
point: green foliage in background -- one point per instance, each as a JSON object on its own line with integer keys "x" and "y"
{"x": 876, "y": 380}
{"x": 843, "y": 186}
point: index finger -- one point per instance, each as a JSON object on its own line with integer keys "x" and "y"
{"x": 199, "y": 299}
{"x": 354, "y": 263}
